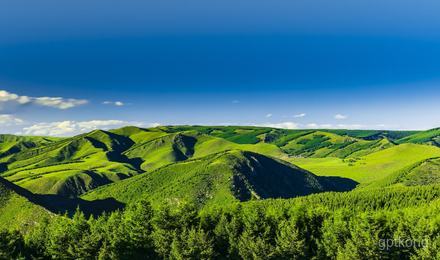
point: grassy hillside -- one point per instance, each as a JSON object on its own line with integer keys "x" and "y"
{"x": 252, "y": 134}
{"x": 12, "y": 144}
{"x": 373, "y": 167}
{"x": 221, "y": 178}
{"x": 323, "y": 144}
{"x": 73, "y": 166}
{"x": 16, "y": 211}
{"x": 174, "y": 147}
{"x": 305, "y": 143}
{"x": 195, "y": 192}
{"x": 431, "y": 137}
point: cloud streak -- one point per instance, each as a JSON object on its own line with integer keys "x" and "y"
{"x": 8, "y": 120}
{"x": 54, "y": 102}
{"x": 294, "y": 125}
{"x": 299, "y": 115}
{"x": 114, "y": 103}
{"x": 340, "y": 117}
{"x": 71, "y": 127}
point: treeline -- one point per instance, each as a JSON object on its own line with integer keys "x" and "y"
{"x": 242, "y": 231}
{"x": 389, "y": 198}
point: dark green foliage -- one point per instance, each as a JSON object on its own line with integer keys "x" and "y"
{"x": 373, "y": 134}
{"x": 11, "y": 245}
{"x": 187, "y": 205}
{"x": 222, "y": 178}
{"x": 426, "y": 137}
{"x": 257, "y": 230}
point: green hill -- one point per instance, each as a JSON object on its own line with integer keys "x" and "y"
{"x": 323, "y": 144}
{"x": 16, "y": 210}
{"x": 421, "y": 173}
{"x": 12, "y": 144}
{"x": 372, "y": 167}
{"x": 221, "y": 178}
{"x": 73, "y": 165}
{"x": 303, "y": 143}
{"x": 431, "y": 137}
{"x": 425, "y": 173}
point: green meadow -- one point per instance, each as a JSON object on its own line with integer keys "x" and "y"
{"x": 215, "y": 192}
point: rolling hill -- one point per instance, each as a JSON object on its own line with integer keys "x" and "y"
{"x": 431, "y": 137}
{"x": 374, "y": 167}
{"x": 12, "y": 144}
{"x": 304, "y": 143}
{"x": 16, "y": 209}
{"x": 221, "y": 178}
{"x": 72, "y": 166}
{"x": 245, "y": 182}
{"x": 75, "y": 165}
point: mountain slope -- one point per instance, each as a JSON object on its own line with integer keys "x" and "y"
{"x": 421, "y": 173}
{"x": 12, "y": 144}
{"x": 220, "y": 178}
{"x": 303, "y": 143}
{"x": 372, "y": 167}
{"x": 73, "y": 165}
{"x": 431, "y": 137}
{"x": 16, "y": 211}
{"x": 323, "y": 144}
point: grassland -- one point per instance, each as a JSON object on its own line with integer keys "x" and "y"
{"x": 17, "y": 212}
{"x": 199, "y": 192}
{"x": 372, "y": 167}
{"x": 218, "y": 179}
{"x": 76, "y": 165}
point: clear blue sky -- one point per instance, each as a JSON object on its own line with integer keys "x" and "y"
{"x": 306, "y": 64}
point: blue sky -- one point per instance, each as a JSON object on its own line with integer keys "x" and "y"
{"x": 71, "y": 67}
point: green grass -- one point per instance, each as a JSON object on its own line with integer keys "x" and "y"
{"x": 16, "y": 211}
{"x": 426, "y": 137}
{"x": 372, "y": 167}
{"x": 219, "y": 178}
{"x": 72, "y": 166}
{"x": 324, "y": 144}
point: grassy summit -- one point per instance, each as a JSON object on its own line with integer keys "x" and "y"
{"x": 191, "y": 192}
{"x": 16, "y": 210}
{"x": 75, "y": 165}
{"x": 221, "y": 178}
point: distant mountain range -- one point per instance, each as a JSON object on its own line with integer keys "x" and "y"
{"x": 210, "y": 165}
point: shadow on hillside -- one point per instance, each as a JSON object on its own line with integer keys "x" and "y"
{"x": 61, "y": 205}
{"x": 333, "y": 183}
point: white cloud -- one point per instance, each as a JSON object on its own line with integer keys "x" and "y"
{"x": 55, "y": 102}
{"x": 154, "y": 124}
{"x": 340, "y": 117}
{"x": 115, "y": 103}
{"x": 59, "y": 102}
{"x": 269, "y": 115}
{"x": 338, "y": 126}
{"x": 70, "y": 127}
{"x": 286, "y": 125}
{"x": 326, "y": 126}
{"x": 5, "y": 96}
{"x": 293, "y": 125}
{"x": 300, "y": 115}
{"x": 8, "y": 120}
{"x": 350, "y": 126}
